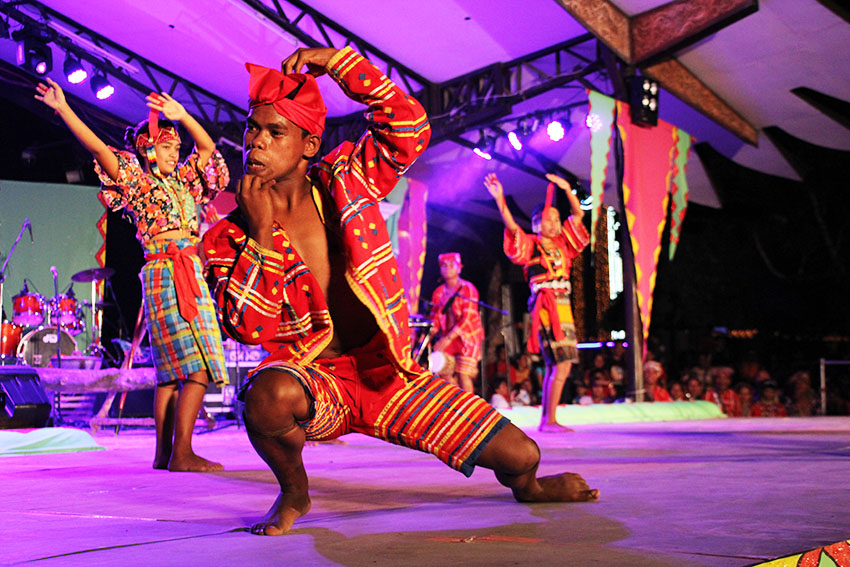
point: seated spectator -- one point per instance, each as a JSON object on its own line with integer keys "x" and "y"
{"x": 722, "y": 394}
{"x": 677, "y": 392}
{"x": 746, "y": 394}
{"x": 653, "y": 374}
{"x": 769, "y": 404}
{"x": 499, "y": 365}
{"x": 600, "y": 391}
{"x": 617, "y": 373}
{"x": 582, "y": 394}
{"x": 501, "y": 394}
{"x": 804, "y": 400}
{"x": 695, "y": 389}
{"x": 599, "y": 363}
{"x": 521, "y": 369}
{"x": 523, "y": 394}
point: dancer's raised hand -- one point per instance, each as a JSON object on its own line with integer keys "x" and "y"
{"x": 169, "y": 107}
{"x": 51, "y": 94}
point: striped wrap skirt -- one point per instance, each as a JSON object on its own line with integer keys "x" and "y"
{"x": 180, "y": 347}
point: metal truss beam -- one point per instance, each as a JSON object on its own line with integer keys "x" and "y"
{"x": 213, "y": 111}
{"x": 303, "y": 20}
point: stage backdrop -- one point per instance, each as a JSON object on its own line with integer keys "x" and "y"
{"x": 64, "y": 224}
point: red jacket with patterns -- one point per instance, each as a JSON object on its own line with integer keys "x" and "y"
{"x": 270, "y": 297}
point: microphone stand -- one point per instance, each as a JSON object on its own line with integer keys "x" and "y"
{"x": 58, "y": 325}
{"x": 9, "y": 257}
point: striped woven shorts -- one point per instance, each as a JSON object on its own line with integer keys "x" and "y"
{"x": 363, "y": 392}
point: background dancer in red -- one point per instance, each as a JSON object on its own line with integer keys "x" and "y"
{"x": 305, "y": 267}
{"x": 456, "y": 322}
{"x": 545, "y": 258}
{"x": 160, "y": 195}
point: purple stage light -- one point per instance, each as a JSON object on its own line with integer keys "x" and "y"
{"x": 482, "y": 153}
{"x": 556, "y": 131}
{"x": 74, "y": 70}
{"x": 100, "y": 86}
{"x": 593, "y": 121}
{"x": 514, "y": 140}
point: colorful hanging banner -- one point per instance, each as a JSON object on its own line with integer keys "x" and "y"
{"x": 647, "y": 174}
{"x": 600, "y": 120}
{"x": 679, "y": 191}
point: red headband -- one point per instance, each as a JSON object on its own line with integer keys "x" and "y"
{"x": 296, "y": 96}
{"x": 449, "y": 257}
{"x": 154, "y": 135}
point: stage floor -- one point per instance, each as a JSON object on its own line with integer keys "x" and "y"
{"x": 698, "y": 492}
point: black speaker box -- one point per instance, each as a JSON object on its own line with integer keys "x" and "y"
{"x": 23, "y": 402}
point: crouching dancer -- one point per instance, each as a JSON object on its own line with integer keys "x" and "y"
{"x": 304, "y": 267}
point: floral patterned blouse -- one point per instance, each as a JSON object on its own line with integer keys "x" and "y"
{"x": 156, "y": 204}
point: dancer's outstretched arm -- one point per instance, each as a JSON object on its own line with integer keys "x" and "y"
{"x": 52, "y": 95}
{"x": 494, "y": 186}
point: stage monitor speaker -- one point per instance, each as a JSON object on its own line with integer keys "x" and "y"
{"x": 23, "y": 402}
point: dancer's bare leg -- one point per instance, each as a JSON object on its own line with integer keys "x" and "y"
{"x": 553, "y": 387}
{"x": 272, "y": 403}
{"x": 164, "y": 413}
{"x": 514, "y": 457}
{"x": 466, "y": 382}
{"x": 189, "y": 400}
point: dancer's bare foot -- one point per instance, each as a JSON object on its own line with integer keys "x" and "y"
{"x": 554, "y": 428}
{"x": 161, "y": 463}
{"x": 192, "y": 463}
{"x": 283, "y": 513}
{"x": 564, "y": 487}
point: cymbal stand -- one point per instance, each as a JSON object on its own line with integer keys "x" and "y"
{"x": 95, "y": 348}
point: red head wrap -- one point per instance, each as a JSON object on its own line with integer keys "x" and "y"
{"x": 296, "y": 96}
{"x": 154, "y": 135}
{"x": 449, "y": 257}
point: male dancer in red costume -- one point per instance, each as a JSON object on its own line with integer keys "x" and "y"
{"x": 456, "y": 320}
{"x": 305, "y": 267}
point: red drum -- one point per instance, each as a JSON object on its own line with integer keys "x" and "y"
{"x": 39, "y": 346}
{"x": 65, "y": 312}
{"x": 29, "y": 309}
{"x": 10, "y": 340}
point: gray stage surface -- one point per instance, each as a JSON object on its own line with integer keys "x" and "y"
{"x": 701, "y": 492}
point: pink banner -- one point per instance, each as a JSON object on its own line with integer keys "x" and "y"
{"x": 648, "y": 170}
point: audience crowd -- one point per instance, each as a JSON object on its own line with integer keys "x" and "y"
{"x": 742, "y": 388}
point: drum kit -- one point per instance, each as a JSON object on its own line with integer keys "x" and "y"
{"x": 43, "y": 327}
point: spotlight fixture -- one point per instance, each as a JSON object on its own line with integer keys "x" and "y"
{"x": 74, "y": 70}
{"x": 100, "y": 86}
{"x": 556, "y": 131}
{"x": 33, "y": 53}
{"x": 643, "y": 100}
{"x": 594, "y": 122}
{"x": 514, "y": 140}
{"x": 484, "y": 146}
{"x": 482, "y": 153}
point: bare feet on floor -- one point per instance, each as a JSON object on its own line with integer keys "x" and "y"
{"x": 553, "y": 428}
{"x": 280, "y": 517}
{"x": 192, "y": 463}
{"x": 564, "y": 487}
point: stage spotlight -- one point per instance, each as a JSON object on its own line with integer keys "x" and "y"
{"x": 594, "y": 122}
{"x": 482, "y": 153}
{"x": 34, "y": 55}
{"x": 515, "y": 141}
{"x": 74, "y": 70}
{"x": 100, "y": 86}
{"x": 643, "y": 100}
{"x": 556, "y": 131}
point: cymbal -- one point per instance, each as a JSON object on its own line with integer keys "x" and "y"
{"x": 93, "y": 275}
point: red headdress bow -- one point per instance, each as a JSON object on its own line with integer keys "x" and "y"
{"x": 296, "y": 96}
